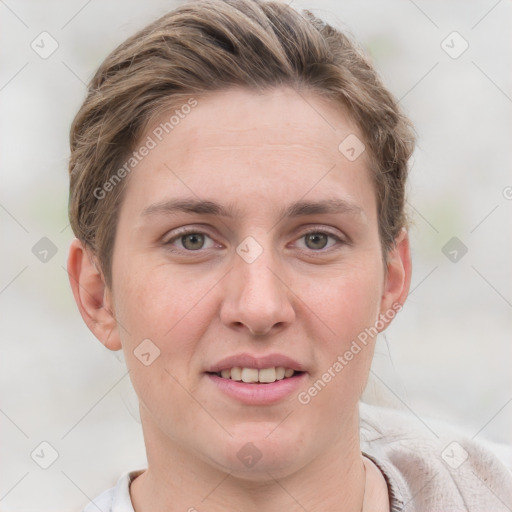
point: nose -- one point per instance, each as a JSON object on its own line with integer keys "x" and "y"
{"x": 256, "y": 296}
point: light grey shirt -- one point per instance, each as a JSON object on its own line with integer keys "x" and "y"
{"x": 426, "y": 470}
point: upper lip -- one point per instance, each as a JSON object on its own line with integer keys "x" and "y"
{"x": 249, "y": 361}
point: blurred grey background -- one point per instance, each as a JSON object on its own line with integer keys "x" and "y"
{"x": 446, "y": 358}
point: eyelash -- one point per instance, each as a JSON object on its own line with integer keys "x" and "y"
{"x": 189, "y": 231}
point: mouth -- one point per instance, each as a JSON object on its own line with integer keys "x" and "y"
{"x": 257, "y": 380}
{"x": 257, "y": 376}
{"x": 258, "y": 386}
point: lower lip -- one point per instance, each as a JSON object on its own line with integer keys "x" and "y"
{"x": 258, "y": 394}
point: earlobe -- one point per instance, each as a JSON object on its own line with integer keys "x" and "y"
{"x": 398, "y": 276}
{"x": 91, "y": 295}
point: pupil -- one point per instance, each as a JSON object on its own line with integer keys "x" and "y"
{"x": 319, "y": 240}
{"x": 196, "y": 241}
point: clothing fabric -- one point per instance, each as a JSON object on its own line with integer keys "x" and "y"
{"x": 425, "y": 470}
{"x": 433, "y": 470}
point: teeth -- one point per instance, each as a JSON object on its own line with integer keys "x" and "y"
{"x": 267, "y": 375}
{"x": 236, "y": 373}
{"x": 251, "y": 375}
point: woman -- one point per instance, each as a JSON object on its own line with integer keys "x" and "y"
{"x": 237, "y": 193}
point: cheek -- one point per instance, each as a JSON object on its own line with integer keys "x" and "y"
{"x": 349, "y": 301}
{"x": 347, "y": 307}
{"x": 171, "y": 309}
{"x": 168, "y": 311}
{"x": 154, "y": 300}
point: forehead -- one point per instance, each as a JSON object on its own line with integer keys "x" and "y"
{"x": 279, "y": 118}
{"x": 249, "y": 146}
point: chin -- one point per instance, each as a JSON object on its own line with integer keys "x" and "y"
{"x": 258, "y": 456}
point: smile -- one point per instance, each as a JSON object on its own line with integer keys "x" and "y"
{"x": 254, "y": 375}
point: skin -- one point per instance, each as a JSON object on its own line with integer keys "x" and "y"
{"x": 257, "y": 152}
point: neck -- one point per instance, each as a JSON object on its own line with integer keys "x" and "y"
{"x": 177, "y": 480}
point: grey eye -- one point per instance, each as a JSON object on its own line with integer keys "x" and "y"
{"x": 316, "y": 240}
{"x": 192, "y": 241}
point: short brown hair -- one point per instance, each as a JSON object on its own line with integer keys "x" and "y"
{"x": 207, "y": 46}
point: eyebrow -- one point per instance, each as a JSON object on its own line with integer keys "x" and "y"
{"x": 296, "y": 209}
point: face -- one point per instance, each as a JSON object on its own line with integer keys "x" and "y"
{"x": 248, "y": 241}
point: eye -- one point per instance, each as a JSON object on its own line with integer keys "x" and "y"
{"x": 319, "y": 240}
{"x": 190, "y": 241}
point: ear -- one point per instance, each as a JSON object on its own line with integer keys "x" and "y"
{"x": 397, "y": 279}
{"x": 92, "y": 296}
